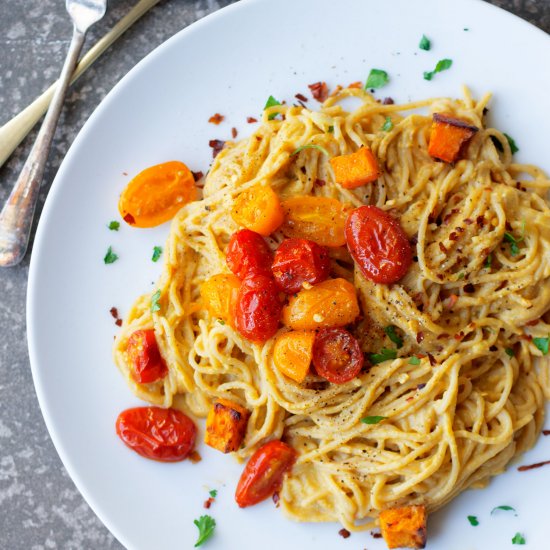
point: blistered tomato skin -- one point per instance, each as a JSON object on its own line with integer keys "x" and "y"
{"x": 264, "y": 472}
{"x": 257, "y": 308}
{"x": 166, "y": 435}
{"x": 145, "y": 358}
{"x": 248, "y": 253}
{"x": 299, "y": 261}
{"x": 337, "y": 356}
{"x": 378, "y": 244}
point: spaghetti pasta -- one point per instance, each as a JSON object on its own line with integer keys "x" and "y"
{"x": 465, "y": 391}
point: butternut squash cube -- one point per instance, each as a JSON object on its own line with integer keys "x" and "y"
{"x": 355, "y": 169}
{"x": 449, "y": 137}
{"x": 404, "y": 527}
{"x": 226, "y": 426}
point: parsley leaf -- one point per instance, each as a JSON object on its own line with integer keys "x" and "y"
{"x": 513, "y": 147}
{"x": 425, "y": 43}
{"x": 504, "y": 507}
{"x": 388, "y": 125}
{"x": 373, "y": 419}
{"x": 271, "y": 102}
{"x": 473, "y": 520}
{"x": 518, "y": 539}
{"x": 221, "y": 321}
{"x": 442, "y": 65}
{"x": 460, "y": 276}
{"x": 384, "y": 355}
{"x": 376, "y": 79}
{"x": 488, "y": 260}
{"x": 514, "y": 248}
{"x": 205, "y": 525}
{"x": 157, "y": 251}
{"x": 114, "y": 225}
{"x": 310, "y": 146}
{"x": 155, "y": 306}
{"x": 110, "y": 257}
{"x": 542, "y": 344}
{"x": 509, "y": 352}
{"x": 393, "y": 336}
{"x": 414, "y": 360}
{"x": 331, "y": 129}
{"x": 213, "y": 493}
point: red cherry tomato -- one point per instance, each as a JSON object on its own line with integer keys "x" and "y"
{"x": 144, "y": 355}
{"x": 378, "y": 244}
{"x": 263, "y": 474}
{"x": 337, "y": 355}
{"x": 300, "y": 261}
{"x": 166, "y": 435}
{"x": 257, "y": 308}
{"x": 248, "y": 253}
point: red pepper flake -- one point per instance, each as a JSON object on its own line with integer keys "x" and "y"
{"x": 388, "y": 101}
{"x": 301, "y": 97}
{"x": 319, "y": 91}
{"x": 197, "y": 175}
{"x": 451, "y": 301}
{"x": 469, "y": 288}
{"x": 420, "y": 386}
{"x": 459, "y": 229}
{"x": 217, "y": 146}
{"x": 356, "y": 84}
{"x": 129, "y": 219}
{"x": 453, "y": 236}
{"x": 527, "y": 337}
{"x": 419, "y": 337}
{"x": 459, "y": 336}
{"x": 442, "y": 247}
{"x": 468, "y": 221}
{"x": 276, "y": 498}
{"x": 502, "y": 285}
{"x": 124, "y": 173}
{"x": 443, "y": 335}
{"x": 344, "y": 533}
{"x": 251, "y": 119}
{"x": 194, "y": 457}
{"x": 433, "y": 362}
{"x": 448, "y": 217}
{"x": 375, "y": 535}
{"x": 319, "y": 183}
{"x": 208, "y": 502}
{"x": 533, "y": 466}
{"x": 545, "y": 432}
{"x": 457, "y": 199}
{"x": 114, "y": 312}
{"x": 118, "y": 322}
{"x": 216, "y": 119}
{"x": 234, "y": 132}
{"x": 480, "y": 220}
{"x": 532, "y": 323}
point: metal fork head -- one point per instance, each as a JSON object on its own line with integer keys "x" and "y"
{"x": 85, "y": 13}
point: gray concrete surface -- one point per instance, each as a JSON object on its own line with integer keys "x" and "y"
{"x": 40, "y": 508}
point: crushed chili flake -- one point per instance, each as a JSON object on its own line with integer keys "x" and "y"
{"x": 459, "y": 229}
{"x": 533, "y": 466}
{"x": 443, "y": 335}
{"x": 502, "y": 284}
{"x": 124, "y": 173}
{"x": 251, "y": 119}
{"x": 453, "y": 236}
{"x": 375, "y": 535}
{"x": 388, "y": 101}
{"x": 451, "y": 301}
{"x": 469, "y": 288}
{"x": 217, "y": 146}
{"x": 458, "y": 336}
{"x": 208, "y": 502}
{"x": 276, "y": 498}
{"x": 545, "y": 432}
{"x": 319, "y": 183}
{"x": 319, "y": 91}
{"x": 216, "y": 119}
{"x": 419, "y": 337}
{"x": 234, "y": 132}
{"x": 420, "y": 386}
{"x": 197, "y": 175}
{"x": 468, "y": 221}
{"x": 301, "y": 97}
{"x": 532, "y": 323}
{"x": 527, "y": 337}
{"x": 480, "y": 220}
{"x": 194, "y": 457}
{"x": 118, "y": 322}
{"x": 114, "y": 312}
{"x": 442, "y": 247}
{"x": 129, "y": 219}
{"x": 433, "y": 362}
{"x": 344, "y": 533}
{"x": 356, "y": 84}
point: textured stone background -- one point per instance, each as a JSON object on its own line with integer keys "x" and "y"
{"x": 40, "y": 508}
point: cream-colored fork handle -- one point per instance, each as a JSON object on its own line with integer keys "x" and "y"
{"x": 15, "y": 130}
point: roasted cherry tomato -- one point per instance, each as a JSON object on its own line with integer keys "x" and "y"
{"x": 299, "y": 261}
{"x": 145, "y": 358}
{"x": 166, "y": 435}
{"x": 264, "y": 472}
{"x": 378, "y": 244}
{"x": 337, "y": 355}
{"x": 248, "y": 253}
{"x": 257, "y": 308}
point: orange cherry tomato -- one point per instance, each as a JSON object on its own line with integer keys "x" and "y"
{"x": 219, "y": 293}
{"x": 292, "y": 353}
{"x": 299, "y": 261}
{"x": 145, "y": 358}
{"x": 257, "y": 308}
{"x": 166, "y": 435}
{"x": 248, "y": 253}
{"x": 264, "y": 472}
{"x": 156, "y": 194}
{"x": 378, "y": 244}
{"x": 258, "y": 209}
{"x": 337, "y": 355}
{"x": 332, "y": 303}
{"x": 319, "y": 219}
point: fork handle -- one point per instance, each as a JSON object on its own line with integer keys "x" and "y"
{"x": 17, "y": 215}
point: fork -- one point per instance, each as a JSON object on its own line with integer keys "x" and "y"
{"x": 17, "y": 215}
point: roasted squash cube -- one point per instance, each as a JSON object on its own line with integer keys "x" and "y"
{"x": 355, "y": 169}
{"x": 449, "y": 137}
{"x": 226, "y": 426}
{"x": 404, "y": 527}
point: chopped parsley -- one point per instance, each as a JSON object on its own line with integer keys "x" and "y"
{"x": 310, "y": 146}
{"x": 213, "y": 493}
{"x": 518, "y": 539}
{"x": 205, "y": 525}
{"x": 442, "y": 65}
{"x": 514, "y": 243}
{"x": 473, "y": 520}
{"x": 155, "y": 306}
{"x": 376, "y": 79}
{"x": 331, "y": 129}
{"x": 384, "y": 355}
{"x": 509, "y": 352}
{"x": 271, "y": 102}
{"x": 373, "y": 419}
{"x": 542, "y": 344}
{"x": 388, "y": 125}
{"x": 414, "y": 360}
{"x": 114, "y": 225}
{"x": 460, "y": 276}
{"x": 157, "y": 251}
{"x": 488, "y": 260}
{"x": 221, "y": 321}
{"x": 513, "y": 147}
{"x": 425, "y": 43}
{"x": 505, "y": 508}
{"x": 110, "y": 257}
{"x": 393, "y": 336}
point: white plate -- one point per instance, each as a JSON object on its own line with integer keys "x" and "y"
{"x": 230, "y": 63}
